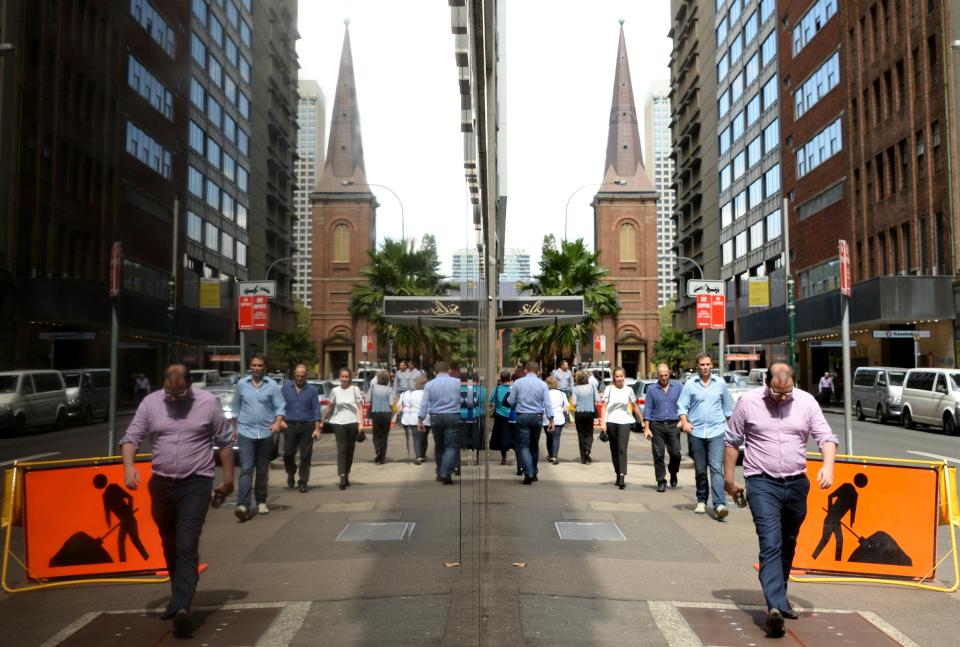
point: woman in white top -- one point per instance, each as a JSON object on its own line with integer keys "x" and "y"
{"x": 410, "y": 401}
{"x": 618, "y": 422}
{"x": 558, "y": 402}
{"x": 343, "y": 414}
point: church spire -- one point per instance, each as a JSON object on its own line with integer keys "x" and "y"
{"x": 624, "y": 170}
{"x": 344, "y": 169}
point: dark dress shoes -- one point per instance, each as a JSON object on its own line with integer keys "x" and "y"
{"x": 661, "y": 486}
{"x": 673, "y": 480}
{"x": 182, "y": 624}
{"x": 774, "y": 623}
{"x": 789, "y": 613}
{"x": 527, "y": 480}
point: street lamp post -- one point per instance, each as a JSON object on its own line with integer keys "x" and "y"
{"x": 266, "y": 277}
{"x": 703, "y": 333}
{"x": 566, "y": 211}
{"x": 403, "y": 231}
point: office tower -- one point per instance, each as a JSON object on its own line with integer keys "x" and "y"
{"x": 656, "y": 119}
{"x": 516, "y": 265}
{"x": 311, "y": 122}
{"x": 466, "y": 265}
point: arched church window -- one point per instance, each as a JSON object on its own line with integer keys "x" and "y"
{"x": 341, "y": 244}
{"x": 628, "y": 242}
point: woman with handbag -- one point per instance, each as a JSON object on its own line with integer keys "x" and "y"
{"x": 499, "y": 438}
{"x": 344, "y": 416}
{"x": 558, "y": 404}
{"x": 382, "y": 401}
{"x": 410, "y": 405}
{"x": 618, "y": 422}
{"x": 584, "y": 412}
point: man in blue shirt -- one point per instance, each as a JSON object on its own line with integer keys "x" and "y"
{"x": 531, "y": 398}
{"x": 660, "y": 425}
{"x": 301, "y": 425}
{"x": 703, "y": 407}
{"x": 259, "y": 411}
{"x": 441, "y": 400}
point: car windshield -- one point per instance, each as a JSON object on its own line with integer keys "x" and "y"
{"x": 8, "y": 383}
{"x": 72, "y": 380}
{"x": 896, "y": 379}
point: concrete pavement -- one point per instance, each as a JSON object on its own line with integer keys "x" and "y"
{"x": 482, "y": 565}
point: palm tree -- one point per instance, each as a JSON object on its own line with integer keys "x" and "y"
{"x": 398, "y": 269}
{"x": 571, "y": 270}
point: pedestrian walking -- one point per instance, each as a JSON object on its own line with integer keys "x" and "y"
{"x": 141, "y": 388}
{"x": 441, "y": 402}
{"x": 531, "y": 399}
{"x": 410, "y": 407}
{"x": 499, "y": 436}
{"x": 584, "y": 413}
{"x": 660, "y": 419}
{"x": 773, "y": 423}
{"x": 344, "y": 414}
{"x": 472, "y": 398}
{"x": 704, "y": 406}
{"x": 558, "y": 405}
{"x": 618, "y": 421}
{"x": 825, "y": 389}
{"x": 259, "y": 408}
{"x": 382, "y": 402}
{"x": 182, "y": 425}
{"x": 301, "y": 426}
{"x": 564, "y": 378}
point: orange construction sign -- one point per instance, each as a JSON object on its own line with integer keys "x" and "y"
{"x": 875, "y": 520}
{"x": 82, "y": 520}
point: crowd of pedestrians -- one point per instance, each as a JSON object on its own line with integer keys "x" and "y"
{"x": 772, "y": 422}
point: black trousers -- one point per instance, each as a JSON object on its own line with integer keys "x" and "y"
{"x": 298, "y": 437}
{"x": 381, "y": 431}
{"x": 179, "y": 508}
{"x": 619, "y": 437}
{"x": 584, "y": 422}
{"x": 666, "y": 435}
{"x": 346, "y": 436}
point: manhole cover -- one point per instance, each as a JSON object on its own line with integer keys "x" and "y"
{"x": 589, "y": 531}
{"x": 387, "y": 531}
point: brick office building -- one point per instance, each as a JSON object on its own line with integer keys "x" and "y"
{"x": 625, "y": 231}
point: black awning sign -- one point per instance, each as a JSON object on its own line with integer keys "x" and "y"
{"x": 433, "y": 308}
{"x": 542, "y": 307}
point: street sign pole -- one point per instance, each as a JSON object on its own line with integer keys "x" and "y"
{"x": 845, "y": 292}
{"x": 116, "y": 265}
{"x": 172, "y": 295}
{"x": 791, "y": 307}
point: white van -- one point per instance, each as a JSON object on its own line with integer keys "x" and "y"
{"x": 931, "y": 396}
{"x": 32, "y": 399}
{"x": 205, "y": 379}
{"x": 877, "y": 392}
{"x": 88, "y": 393}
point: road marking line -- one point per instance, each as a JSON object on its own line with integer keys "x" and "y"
{"x": 938, "y": 456}
{"x": 71, "y": 629}
{"x": 28, "y": 458}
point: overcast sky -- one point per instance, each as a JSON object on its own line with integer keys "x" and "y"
{"x": 561, "y": 57}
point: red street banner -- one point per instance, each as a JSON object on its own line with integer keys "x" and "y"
{"x": 254, "y": 313}
{"x": 845, "y": 282}
{"x": 703, "y": 311}
{"x": 718, "y": 311}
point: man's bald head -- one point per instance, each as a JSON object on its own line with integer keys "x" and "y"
{"x": 780, "y": 376}
{"x": 175, "y": 378}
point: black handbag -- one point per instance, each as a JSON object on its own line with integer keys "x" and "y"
{"x": 361, "y": 436}
{"x": 604, "y": 437}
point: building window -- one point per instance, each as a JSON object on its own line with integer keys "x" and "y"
{"x": 727, "y": 252}
{"x": 771, "y": 136}
{"x": 723, "y": 67}
{"x": 213, "y": 153}
{"x": 229, "y": 168}
{"x": 215, "y": 70}
{"x": 149, "y": 87}
{"x": 754, "y": 152}
{"x": 196, "y": 137}
{"x": 820, "y": 148}
{"x": 195, "y": 182}
{"x": 771, "y": 181}
{"x": 725, "y": 178}
{"x": 753, "y": 110}
{"x": 740, "y": 205}
{"x": 812, "y": 22}
{"x": 213, "y": 194}
{"x": 723, "y": 103}
{"x": 726, "y": 215}
{"x": 740, "y": 244}
{"x": 750, "y": 28}
{"x": 755, "y": 191}
{"x": 233, "y": 16}
{"x": 721, "y": 32}
{"x": 739, "y": 165}
{"x": 724, "y": 140}
{"x": 820, "y": 278}
{"x": 341, "y": 244}
{"x": 773, "y": 225}
{"x": 768, "y": 51}
{"x": 628, "y": 243}
{"x": 241, "y": 254}
{"x": 242, "y": 178}
{"x": 229, "y": 127}
{"x": 226, "y": 245}
{"x": 753, "y": 68}
{"x": 231, "y": 50}
{"x": 241, "y": 215}
{"x": 198, "y": 50}
{"x": 198, "y": 96}
{"x": 766, "y": 8}
{"x": 245, "y": 33}
{"x": 736, "y": 87}
{"x": 216, "y": 31}
{"x": 736, "y": 48}
{"x": 194, "y": 227}
{"x": 756, "y": 235}
{"x": 243, "y": 141}
{"x": 244, "y": 68}
{"x": 151, "y": 20}
{"x": 770, "y": 93}
{"x": 212, "y": 236}
{"x": 243, "y": 104}
{"x": 824, "y": 79}
{"x": 148, "y": 150}
{"x": 200, "y": 11}
{"x": 214, "y": 111}
{"x": 228, "y": 205}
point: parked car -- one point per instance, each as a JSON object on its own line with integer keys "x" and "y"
{"x": 931, "y": 396}
{"x": 88, "y": 393}
{"x": 205, "y": 378}
{"x": 640, "y": 388}
{"x": 877, "y": 391}
{"x": 757, "y": 376}
{"x": 32, "y": 399}
{"x": 324, "y": 387}
{"x": 737, "y": 385}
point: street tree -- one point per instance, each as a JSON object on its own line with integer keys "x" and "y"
{"x": 674, "y": 346}
{"x": 296, "y": 346}
{"x": 398, "y": 268}
{"x": 569, "y": 269}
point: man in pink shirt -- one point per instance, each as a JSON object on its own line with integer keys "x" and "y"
{"x": 775, "y": 421}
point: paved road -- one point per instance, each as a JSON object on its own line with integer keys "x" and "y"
{"x": 80, "y": 441}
